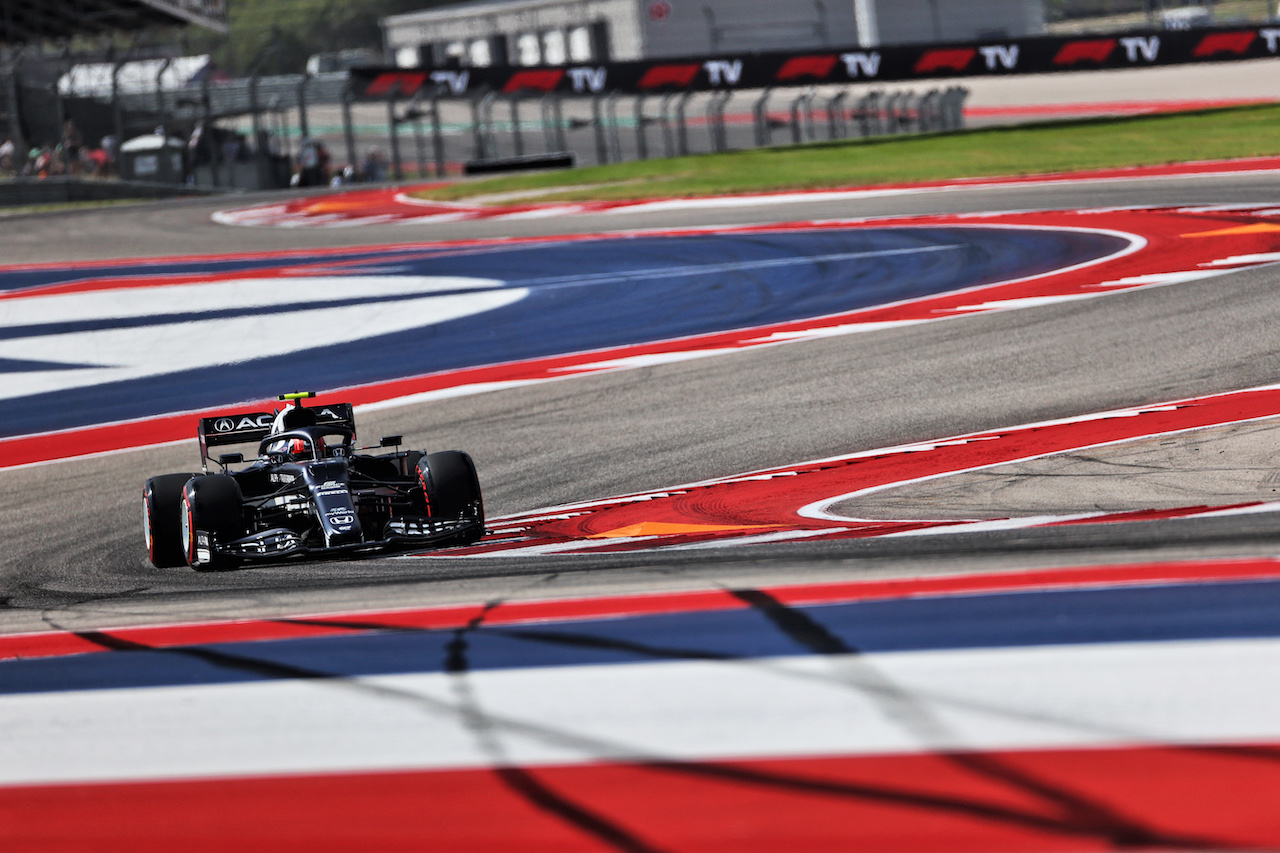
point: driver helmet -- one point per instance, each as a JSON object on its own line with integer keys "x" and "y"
{"x": 291, "y": 417}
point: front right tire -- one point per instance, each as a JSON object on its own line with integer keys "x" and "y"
{"x": 451, "y": 489}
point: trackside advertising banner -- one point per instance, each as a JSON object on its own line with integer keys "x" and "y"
{"x": 835, "y": 66}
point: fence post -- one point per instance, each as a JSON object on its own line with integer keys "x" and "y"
{"x": 420, "y": 141}
{"x": 909, "y": 111}
{"x": 611, "y": 114}
{"x": 597, "y": 119}
{"x": 61, "y": 108}
{"x": 682, "y": 127}
{"x": 668, "y": 140}
{"x": 348, "y": 127}
{"x": 437, "y": 134}
{"x": 117, "y": 112}
{"x": 478, "y": 146}
{"x": 642, "y": 144}
{"x": 874, "y": 127}
{"x": 927, "y": 113}
{"x": 15, "y": 120}
{"x": 836, "y": 127}
{"x": 713, "y": 121}
{"x": 797, "y": 132}
{"x": 760, "y": 113}
{"x": 207, "y": 136}
{"x": 394, "y": 127}
{"x": 955, "y": 106}
{"x": 304, "y": 127}
{"x": 160, "y": 105}
{"x": 546, "y": 114}
{"x": 724, "y": 125}
{"x": 260, "y": 154}
{"x": 516, "y": 132}
{"x": 557, "y": 112}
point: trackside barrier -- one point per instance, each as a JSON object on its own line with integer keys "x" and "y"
{"x": 254, "y": 128}
{"x": 837, "y": 66}
{"x": 614, "y": 127}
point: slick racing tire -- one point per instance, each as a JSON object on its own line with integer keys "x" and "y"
{"x": 212, "y": 511}
{"x": 162, "y": 520}
{"x": 451, "y": 489}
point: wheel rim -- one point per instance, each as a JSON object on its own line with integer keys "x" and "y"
{"x": 146, "y": 528}
{"x": 188, "y": 540}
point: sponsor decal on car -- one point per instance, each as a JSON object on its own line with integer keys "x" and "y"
{"x": 339, "y": 517}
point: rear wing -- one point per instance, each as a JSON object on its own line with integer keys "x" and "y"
{"x": 253, "y": 427}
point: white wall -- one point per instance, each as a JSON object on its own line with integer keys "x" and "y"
{"x": 745, "y": 25}
{"x": 924, "y": 21}
{"x": 520, "y": 17}
{"x": 640, "y": 29}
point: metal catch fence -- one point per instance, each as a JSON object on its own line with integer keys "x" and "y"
{"x": 250, "y": 133}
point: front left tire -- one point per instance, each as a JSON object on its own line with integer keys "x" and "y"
{"x": 162, "y": 522}
{"x": 212, "y": 515}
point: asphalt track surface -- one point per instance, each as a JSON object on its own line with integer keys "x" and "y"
{"x": 73, "y": 555}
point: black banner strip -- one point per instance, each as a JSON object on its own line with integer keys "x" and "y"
{"x": 836, "y": 66}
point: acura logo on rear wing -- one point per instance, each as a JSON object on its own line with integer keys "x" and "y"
{"x": 239, "y": 423}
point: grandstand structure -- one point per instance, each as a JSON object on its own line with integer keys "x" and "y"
{"x": 31, "y": 109}
{"x": 25, "y": 22}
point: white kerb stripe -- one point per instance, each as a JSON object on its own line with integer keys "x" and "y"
{"x": 988, "y": 699}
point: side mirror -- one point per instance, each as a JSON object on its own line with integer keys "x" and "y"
{"x": 230, "y": 459}
{"x": 391, "y": 441}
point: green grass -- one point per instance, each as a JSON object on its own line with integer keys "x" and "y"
{"x": 62, "y": 206}
{"x": 1019, "y": 150}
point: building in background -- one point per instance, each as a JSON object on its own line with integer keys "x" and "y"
{"x": 559, "y": 32}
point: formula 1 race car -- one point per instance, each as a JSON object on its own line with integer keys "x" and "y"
{"x": 309, "y": 493}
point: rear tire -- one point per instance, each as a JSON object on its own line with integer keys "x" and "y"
{"x": 451, "y": 489}
{"x": 162, "y": 520}
{"x": 211, "y": 505}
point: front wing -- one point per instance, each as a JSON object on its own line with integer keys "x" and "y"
{"x": 282, "y": 543}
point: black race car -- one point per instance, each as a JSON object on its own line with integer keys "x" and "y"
{"x": 310, "y": 493}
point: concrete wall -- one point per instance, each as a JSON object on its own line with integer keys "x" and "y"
{"x": 17, "y": 192}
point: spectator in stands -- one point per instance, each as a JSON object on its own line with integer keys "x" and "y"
{"x": 8, "y": 155}
{"x": 72, "y": 142}
{"x": 232, "y": 150}
{"x": 374, "y": 167}
{"x": 41, "y": 165}
{"x": 313, "y": 164}
{"x": 93, "y": 161}
{"x": 110, "y": 148}
{"x": 346, "y": 176}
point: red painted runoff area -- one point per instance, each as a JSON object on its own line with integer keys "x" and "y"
{"x": 399, "y": 203}
{"x": 793, "y": 501}
{"x": 1199, "y": 797}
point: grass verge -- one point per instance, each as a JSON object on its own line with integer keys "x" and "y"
{"x": 1018, "y": 150}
